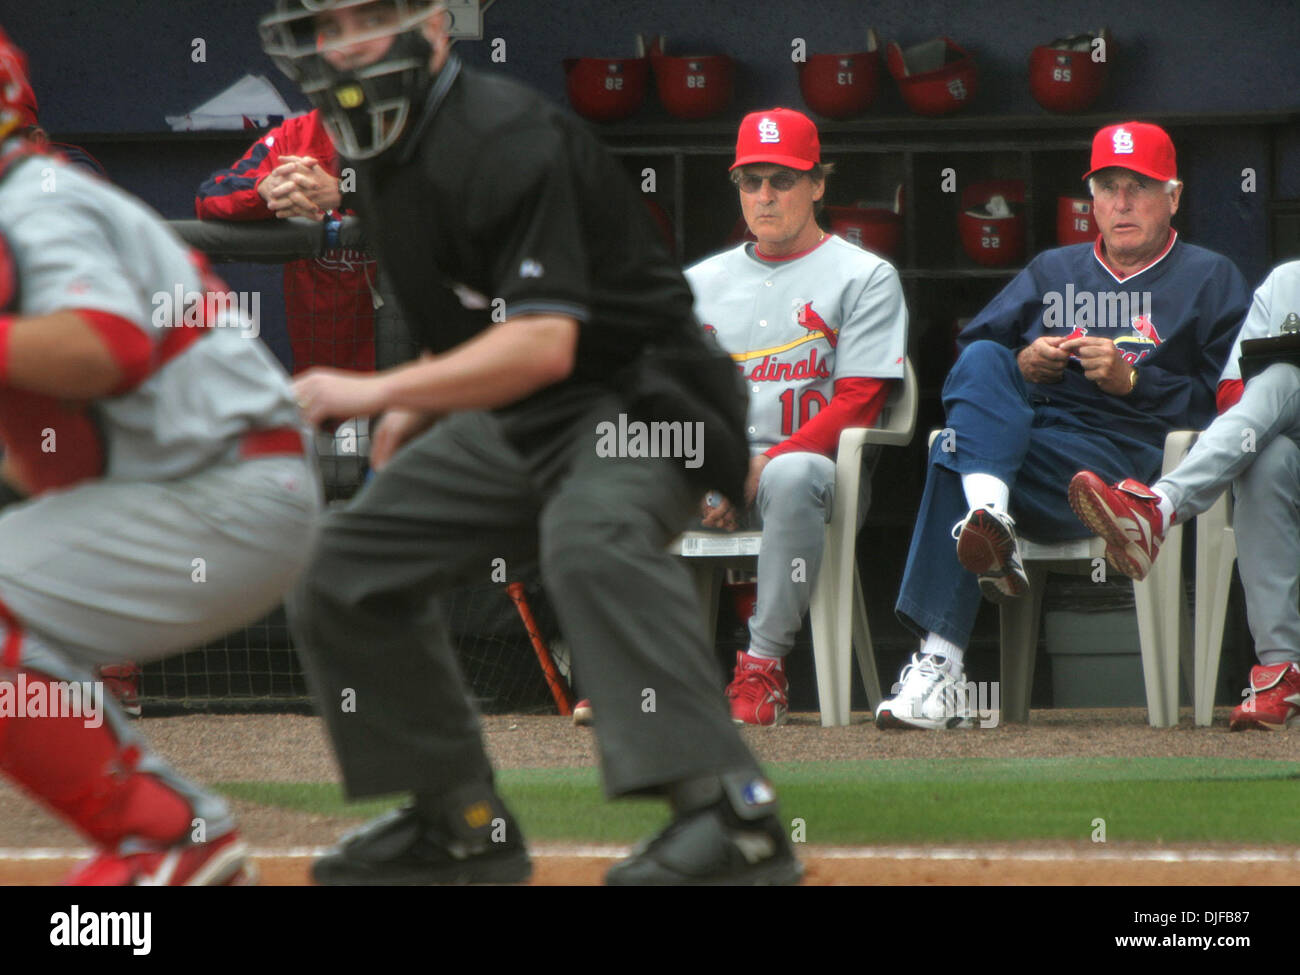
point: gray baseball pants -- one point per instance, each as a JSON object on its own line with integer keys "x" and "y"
{"x": 793, "y": 507}
{"x": 114, "y": 570}
{"x": 480, "y": 487}
{"x": 1255, "y": 445}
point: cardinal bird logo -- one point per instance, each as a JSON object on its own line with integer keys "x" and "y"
{"x": 1142, "y": 325}
{"x": 814, "y": 322}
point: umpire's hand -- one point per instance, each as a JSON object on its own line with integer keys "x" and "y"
{"x": 397, "y": 427}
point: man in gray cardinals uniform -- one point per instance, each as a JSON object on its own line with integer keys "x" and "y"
{"x": 1254, "y": 446}
{"x": 818, "y": 328}
{"x": 170, "y": 500}
{"x": 501, "y": 448}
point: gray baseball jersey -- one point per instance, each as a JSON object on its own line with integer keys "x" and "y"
{"x": 797, "y": 325}
{"x": 1255, "y": 445}
{"x": 165, "y": 513}
{"x": 1274, "y": 309}
{"x": 77, "y": 242}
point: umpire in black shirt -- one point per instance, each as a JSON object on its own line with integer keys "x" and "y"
{"x": 553, "y": 321}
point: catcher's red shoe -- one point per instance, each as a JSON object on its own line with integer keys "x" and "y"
{"x": 1127, "y": 516}
{"x": 123, "y": 682}
{"x": 223, "y": 862}
{"x": 759, "y": 691}
{"x": 1272, "y": 700}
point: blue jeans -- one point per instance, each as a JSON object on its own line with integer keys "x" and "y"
{"x": 999, "y": 424}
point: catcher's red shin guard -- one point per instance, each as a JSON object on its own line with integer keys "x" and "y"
{"x": 85, "y": 774}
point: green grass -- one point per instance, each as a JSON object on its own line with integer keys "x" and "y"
{"x": 921, "y": 801}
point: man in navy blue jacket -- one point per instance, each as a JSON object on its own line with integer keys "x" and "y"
{"x": 1085, "y": 361}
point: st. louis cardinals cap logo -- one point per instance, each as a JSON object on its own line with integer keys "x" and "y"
{"x": 1122, "y": 142}
{"x": 768, "y": 131}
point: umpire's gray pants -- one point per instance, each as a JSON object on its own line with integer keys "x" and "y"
{"x": 1257, "y": 444}
{"x": 447, "y": 506}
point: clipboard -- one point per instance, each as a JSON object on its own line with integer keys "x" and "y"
{"x": 1258, "y": 354}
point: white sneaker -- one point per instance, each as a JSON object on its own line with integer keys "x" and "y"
{"x": 928, "y": 695}
{"x": 987, "y": 546}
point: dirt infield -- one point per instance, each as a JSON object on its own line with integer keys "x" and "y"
{"x": 849, "y": 868}
{"x": 293, "y": 748}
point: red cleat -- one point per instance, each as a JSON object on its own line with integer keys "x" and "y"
{"x": 759, "y": 691}
{"x": 1127, "y": 516}
{"x": 1272, "y": 700}
{"x": 223, "y": 862}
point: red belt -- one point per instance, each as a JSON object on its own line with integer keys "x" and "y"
{"x": 269, "y": 443}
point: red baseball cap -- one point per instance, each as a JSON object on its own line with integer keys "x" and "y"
{"x": 781, "y": 136}
{"x": 1139, "y": 146}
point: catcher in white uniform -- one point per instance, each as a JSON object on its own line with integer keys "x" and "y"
{"x": 170, "y": 500}
{"x": 818, "y": 327}
{"x": 1253, "y": 445}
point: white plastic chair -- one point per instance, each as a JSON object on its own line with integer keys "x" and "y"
{"x": 1163, "y": 630}
{"x": 1216, "y": 553}
{"x": 837, "y": 611}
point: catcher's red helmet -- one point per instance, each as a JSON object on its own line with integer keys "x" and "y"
{"x": 17, "y": 100}
{"x": 991, "y": 228}
{"x": 607, "y": 89}
{"x": 1074, "y": 220}
{"x": 936, "y": 77}
{"x": 693, "y": 87}
{"x": 841, "y": 86}
{"x": 1063, "y": 77}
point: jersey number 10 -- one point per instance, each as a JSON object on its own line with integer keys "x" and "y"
{"x": 807, "y": 400}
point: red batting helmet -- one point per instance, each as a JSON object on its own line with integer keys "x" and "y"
{"x": 872, "y": 228}
{"x": 991, "y": 228}
{"x": 875, "y": 227}
{"x": 1066, "y": 75}
{"x": 1074, "y": 220}
{"x": 607, "y": 89}
{"x": 936, "y": 77}
{"x": 17, "y": 100}
{"x": 841, "y": 86}
{"x": 693, "y": 87}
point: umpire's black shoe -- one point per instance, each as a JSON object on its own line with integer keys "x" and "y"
{"x": 475, "y": 841}
{"x": 735, "y": 841}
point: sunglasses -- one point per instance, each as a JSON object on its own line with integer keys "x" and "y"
{"x": 781, "y": 181}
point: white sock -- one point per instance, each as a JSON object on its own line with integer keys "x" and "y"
{"x": 985, "y": 489}
{"x": 764, "y": 655}
{"x": 937, "y": 645}
{"x": 1166, "y": 506}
